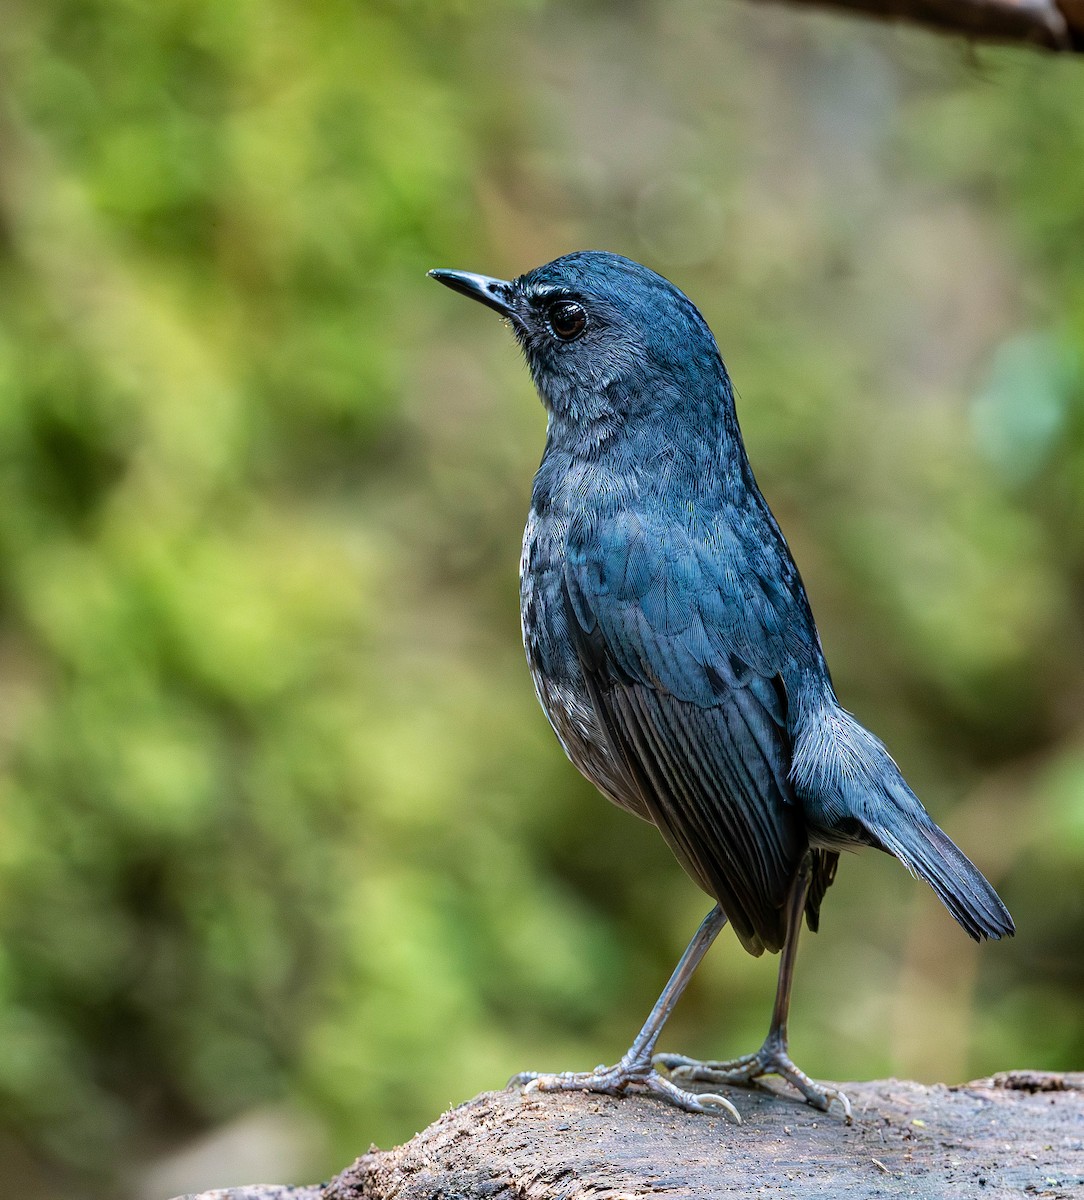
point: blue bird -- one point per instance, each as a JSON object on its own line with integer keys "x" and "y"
{"x": 674, "y": 652}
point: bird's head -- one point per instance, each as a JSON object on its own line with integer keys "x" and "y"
{"x": 604, "y": 336}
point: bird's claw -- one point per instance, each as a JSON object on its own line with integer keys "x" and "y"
{"x": 623, "y": 1079}
{"x": 741, "y": 1072}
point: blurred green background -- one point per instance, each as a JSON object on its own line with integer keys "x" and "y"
{"x": 289, "y": 859}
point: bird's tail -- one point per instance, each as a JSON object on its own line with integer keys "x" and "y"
{"x": 854, "y": 793}
{"x": 928, "y": 852}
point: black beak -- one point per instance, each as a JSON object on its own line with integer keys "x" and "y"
{"x": 496, "y": 293}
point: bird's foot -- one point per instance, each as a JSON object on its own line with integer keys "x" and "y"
{"x": 771, "y": 1059}
{"x": 627, "y": 1078}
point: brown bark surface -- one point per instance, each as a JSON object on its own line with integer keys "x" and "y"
{"x": 1019, "y": 1136}
{"x": 1052, "y": 24}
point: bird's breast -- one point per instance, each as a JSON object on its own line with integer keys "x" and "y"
{"x": 550, "y": 652}
{"x": 551, "y": 657}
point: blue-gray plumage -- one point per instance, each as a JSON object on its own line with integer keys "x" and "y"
{"x": 673, "y": 648}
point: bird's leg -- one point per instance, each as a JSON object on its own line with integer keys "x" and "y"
{"x": 772, "y": 1058}
{"x": 635, "y": 1073}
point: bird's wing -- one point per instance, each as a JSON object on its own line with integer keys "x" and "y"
{"x": 662, "y": 635}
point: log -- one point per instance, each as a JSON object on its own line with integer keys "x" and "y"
{"x": 1049, "y": 24}
{"x": 1019, "y": 1135}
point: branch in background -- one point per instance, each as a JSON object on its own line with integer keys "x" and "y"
{"x": 1051, "y": 24}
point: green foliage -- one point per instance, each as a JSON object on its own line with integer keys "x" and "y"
{"x": 280, "y": 821}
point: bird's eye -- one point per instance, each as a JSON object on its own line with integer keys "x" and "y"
{"x": 567, "y": 320}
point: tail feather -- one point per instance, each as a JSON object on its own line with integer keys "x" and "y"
{"x": 928, "y": 852}
{"x": 854, "y": 794}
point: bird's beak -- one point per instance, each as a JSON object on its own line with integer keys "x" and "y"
{"x": 496, "y": 293}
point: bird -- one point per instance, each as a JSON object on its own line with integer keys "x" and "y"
{"x": 673, "y": 649}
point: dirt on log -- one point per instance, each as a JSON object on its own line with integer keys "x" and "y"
{"x": 1018, "y": 1135}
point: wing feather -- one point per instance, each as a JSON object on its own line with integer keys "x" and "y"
{"x": 700, "y": 729}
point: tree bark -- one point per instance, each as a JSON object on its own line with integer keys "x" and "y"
{"x": 1051, "y": 24}
{"x": 1018, "y": 1136}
